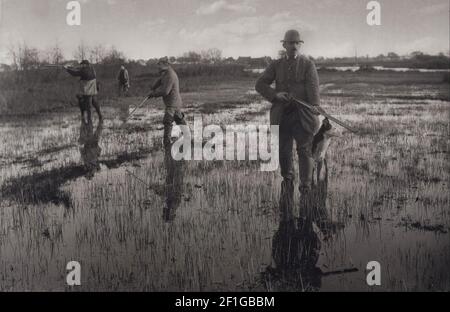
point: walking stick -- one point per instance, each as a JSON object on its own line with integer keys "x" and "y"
{"x": 323, "y": 113}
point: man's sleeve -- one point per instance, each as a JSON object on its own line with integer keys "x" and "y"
{"x": 263, "y": 84}
{"x": 156, "y": 84}
{"x": 127, "y": 78}
{"x": 74, "y": 72}
{"x": 312, "y": 85}
{"x": 165, "y": 85}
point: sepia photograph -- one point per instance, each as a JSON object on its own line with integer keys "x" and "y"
{"x": 251, "y": 146}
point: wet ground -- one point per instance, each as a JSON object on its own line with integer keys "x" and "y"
{"x": 104, "y": 195}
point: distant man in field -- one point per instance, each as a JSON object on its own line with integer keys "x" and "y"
{"x": 124, "y": 80}
{"x": 167, "y": 86}
{"x": 295, "y": 76}
{"x": 88, "y": 84}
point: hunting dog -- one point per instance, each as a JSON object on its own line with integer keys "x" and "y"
{"x": 321, "y": 142}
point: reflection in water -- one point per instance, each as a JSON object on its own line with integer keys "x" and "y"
{"x": 173, "y": 186}
{"x": 296, "y": 244}
{"x": 295, "y": 251}
{"x": 90, "y": 150}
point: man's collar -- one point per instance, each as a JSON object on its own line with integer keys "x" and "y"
{"x": 295, "y": 57}
{"x": 163, "y": 71}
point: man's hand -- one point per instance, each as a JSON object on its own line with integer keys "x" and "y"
{"x": 316, "y": 110}
{"x": 282, "y": 97}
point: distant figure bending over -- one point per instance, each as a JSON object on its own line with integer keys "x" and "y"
{"x": 168, "y": 87}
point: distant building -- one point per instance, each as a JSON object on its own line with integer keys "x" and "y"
{"x": 244, "y": 60}
{"x": 229, "y": 60}
{"x": 257, "y": 62}
{"x": 260, "y": 62}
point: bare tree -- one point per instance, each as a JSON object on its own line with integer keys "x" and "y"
{"x": 23, "y": 56}
{"x": 392, "y": 56}
{"x": 113, "y": 56}
{"x": 29, "y": 57}
{"x": 190, "y": 57}
{"x": 97, "y": 54}
{"x": 56, "y": 55}
{"x": 81, "y": 52}
{"x": 13, "y": 54}
{"x": 211, "y": 55}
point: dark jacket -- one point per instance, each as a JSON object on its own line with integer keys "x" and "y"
{"x": 168, "y": 87}
{"x": 123, "y": 76}
{"x": 299, "y": 78}
{"x": 88, "y": 81}
{"x": 85, "y": 73}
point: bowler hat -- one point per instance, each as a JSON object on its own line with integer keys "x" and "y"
{"x": 292, "y": 35}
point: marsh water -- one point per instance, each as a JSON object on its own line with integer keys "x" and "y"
{"x": 105, "y": 195}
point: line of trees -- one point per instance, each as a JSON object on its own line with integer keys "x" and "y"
{"x": 206, "y": 56}
{"x": 25, "y": 57}
{"x": 416, "y": 59}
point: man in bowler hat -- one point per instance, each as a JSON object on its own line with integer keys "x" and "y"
{"x": 295, "y": 76}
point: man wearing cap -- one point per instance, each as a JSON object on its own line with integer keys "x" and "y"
{"x": 295, "y": 76}
{"x": 124, "y": 80}
{"x": 88, "y": 84}
{"x": 168, "y": 87}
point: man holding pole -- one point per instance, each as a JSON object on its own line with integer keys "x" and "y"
{"x": 168, "y": 87}
{"x": 296, "y": 77}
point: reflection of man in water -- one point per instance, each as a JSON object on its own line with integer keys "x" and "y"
{"x": 90, "y": 150}
{"x": 295, "y": 251}
{"x": 173, "y": 186}
{"x": 168, "y": 87}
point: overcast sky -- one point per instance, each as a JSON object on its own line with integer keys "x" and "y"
{"x": 150, "y": 28}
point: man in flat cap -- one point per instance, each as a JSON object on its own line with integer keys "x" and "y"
{"x": 88, "y": 86}
{"x": 295, "y": 76}
{"x": 168, "y": 87}
{"x": 124, "y": 80}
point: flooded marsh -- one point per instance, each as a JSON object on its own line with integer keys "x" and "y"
{"x": 214, "y": 225}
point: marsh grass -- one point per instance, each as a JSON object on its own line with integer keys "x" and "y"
{"x": 388, "y": 185}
